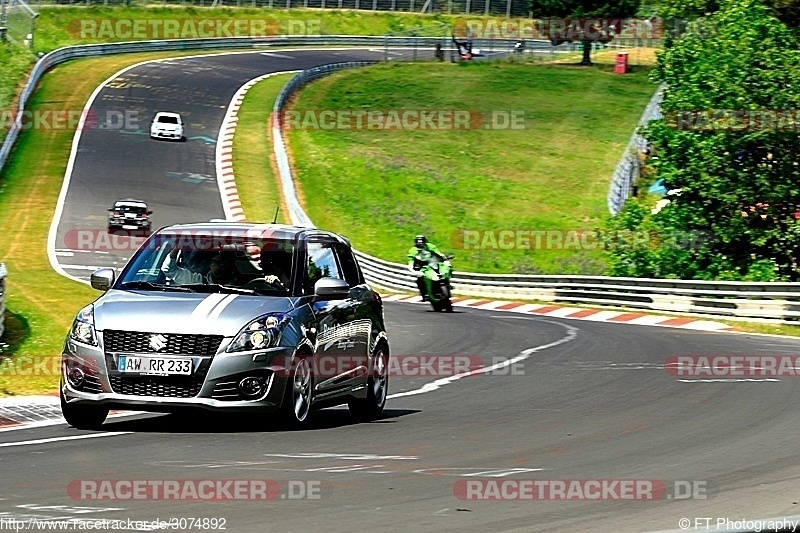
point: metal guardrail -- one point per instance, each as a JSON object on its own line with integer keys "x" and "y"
{"x": 296, "y": 213}
{"x": 3, "y": 274}
{"x": 628, "y": 168}
{"x": 735, "y": 300}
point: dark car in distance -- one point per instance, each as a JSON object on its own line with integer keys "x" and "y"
{"x": 129, "y": 213}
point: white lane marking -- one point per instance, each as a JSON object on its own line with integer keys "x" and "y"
{"x": 83, "y": 267}
{"x": 68, "y": 508}
{"x": 59, "y": 439}
{"x": 343, "y": 456}
{"x": 471, "y": 471}
{"x": 729, "y": 380}
{"x": 572, "y": 333}
{"x": 270, "y": 54}
{"x": 57, "y": 422}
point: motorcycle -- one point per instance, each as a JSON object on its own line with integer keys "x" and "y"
{"x": 437, "y": 282}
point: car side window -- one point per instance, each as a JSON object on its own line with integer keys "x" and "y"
{"x": 348, "y": 263}
{"x": 321, "y": 264}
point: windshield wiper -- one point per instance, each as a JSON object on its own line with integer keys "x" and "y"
{"x": 150, "y": 285}
{"x": 213, "y": 287}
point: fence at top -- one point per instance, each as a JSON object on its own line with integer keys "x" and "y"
{"x": 509, "y": 8}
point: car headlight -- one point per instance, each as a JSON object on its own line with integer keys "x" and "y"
{"x": 263, "y": 332}
{"x": 83, "y": 327}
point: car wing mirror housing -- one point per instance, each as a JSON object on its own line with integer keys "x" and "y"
{"x": 331, "y": 289}
{"x": 103, "y": 278}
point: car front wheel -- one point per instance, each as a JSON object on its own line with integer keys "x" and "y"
{"x": 83, "y": 416}
{"x": 296, "y": 408}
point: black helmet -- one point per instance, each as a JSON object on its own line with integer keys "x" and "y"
{"x": 420, "y": 241}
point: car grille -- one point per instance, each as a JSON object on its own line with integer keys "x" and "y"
{"x": 134, "y": 342}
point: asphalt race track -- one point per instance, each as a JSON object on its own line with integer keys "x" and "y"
{"x": 582, "y": 400}
{"x": 117, "y": 159}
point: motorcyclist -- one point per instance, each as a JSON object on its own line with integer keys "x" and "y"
{"x": 418, "y": 256}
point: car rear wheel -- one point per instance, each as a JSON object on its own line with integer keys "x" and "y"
{"x": 296, "y": 408}
{"x": 83, "y": 416}
{"x": 371, "y": 407}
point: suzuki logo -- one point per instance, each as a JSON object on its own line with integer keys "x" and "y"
{"x": 158, "y": 342}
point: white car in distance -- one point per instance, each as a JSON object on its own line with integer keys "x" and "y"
{"x": 167, "y": 126}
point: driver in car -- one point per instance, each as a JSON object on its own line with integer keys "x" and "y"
{"x": 276, "y": 266}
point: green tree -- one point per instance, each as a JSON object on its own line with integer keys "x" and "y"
{"x": 583, "y": 9}
{"x": 729, "y": 142}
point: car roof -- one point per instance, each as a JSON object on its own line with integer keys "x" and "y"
{"x": 251, "y": 230}
{"x": 130, "y": 201}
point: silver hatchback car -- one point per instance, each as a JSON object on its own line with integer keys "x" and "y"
{"x": 229, "y": 317}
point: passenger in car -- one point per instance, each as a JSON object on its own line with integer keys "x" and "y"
{"x": 221, "y": 270}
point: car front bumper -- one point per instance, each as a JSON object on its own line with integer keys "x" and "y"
{"x": 218, "y": 389}
{"x": 159, "y": 134}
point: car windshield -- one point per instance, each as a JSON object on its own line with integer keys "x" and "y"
{"x": 212, "y": 263}
{"x": 168, "y": 120}
{"x": 127, "y": 208}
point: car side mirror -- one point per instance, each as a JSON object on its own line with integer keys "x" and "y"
{"x": 103, "y": 278}
{"x": 331, "y": 289}
{"x": 110, "y": 209}
{"x": 149, "y": 212}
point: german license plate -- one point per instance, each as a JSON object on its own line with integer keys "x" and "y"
{"x": 157, "y": 366}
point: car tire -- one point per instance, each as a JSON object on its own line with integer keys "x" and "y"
{"x": 371, "y": 407}
{"x": 296, "y": 408}
{"x": 83, "y": 416}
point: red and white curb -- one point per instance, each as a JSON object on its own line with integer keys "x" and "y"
{"x": 19, "y": 412}
{"x": 29, "y": 411}
{"x": 231, "y": 202}
{"x": 577, "y": 313}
